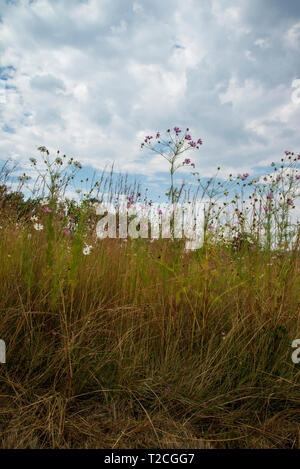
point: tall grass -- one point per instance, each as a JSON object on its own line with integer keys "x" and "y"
{"x": 141, "y": 344}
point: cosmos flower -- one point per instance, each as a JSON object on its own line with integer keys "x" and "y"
{"x": 87, "y": 250}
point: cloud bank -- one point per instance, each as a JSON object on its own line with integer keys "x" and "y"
{"x": 92, "y": 77}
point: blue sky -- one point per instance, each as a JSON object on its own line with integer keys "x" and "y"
{"x": 93, "y": 77}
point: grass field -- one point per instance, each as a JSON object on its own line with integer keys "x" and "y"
{"x": 141, "y": 344}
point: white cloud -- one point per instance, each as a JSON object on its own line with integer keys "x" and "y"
{"x": 229, "y": 16}
{"x": 137, "y": 7}
{"x": 89, "y": 76}
{"x": 263, "y": 43}
{"x": 292, "y": 36}
{"x": 241, "y": 94}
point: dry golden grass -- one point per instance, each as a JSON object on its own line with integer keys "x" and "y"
{"x": 141, "y": 345}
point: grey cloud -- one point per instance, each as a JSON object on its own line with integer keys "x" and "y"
{"x": 47, "y": 83}
{"x": 102, "y": 73}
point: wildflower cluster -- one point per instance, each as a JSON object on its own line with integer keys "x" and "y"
{"x": 171, "y": 149}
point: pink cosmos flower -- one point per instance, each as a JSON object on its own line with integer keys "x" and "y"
{"x": 270, "y": 196}
{"x": 188, "y": 137}
{"x": 199, "y": 141}
{"x": 67, "y": 232}
{"x": 48, "y": 210}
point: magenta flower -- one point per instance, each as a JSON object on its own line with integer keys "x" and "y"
{"x": 193, "y": 144}
{"x": 71, "y": 219}
{"x": 290, "y": 202}
{"x": 48, "y": 210}
{"x": 159, "y": 212}
{"x": 211, "y": 227}
{"x": 67, "y": 232}
{"x": 187, "y": 161}
{"x": 199, "y": 141}
{"x": 177, "y": 130}
{"x": 270, "y": 196}
{"x": 287, "y": 153}
{"x": 298, "y": 176}
{"x": 278, "y": 179}
{"x": 188, "y": 137}
{"x": 266, "y": 209}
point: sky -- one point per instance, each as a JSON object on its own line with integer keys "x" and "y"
{"x": 93, "y": 77}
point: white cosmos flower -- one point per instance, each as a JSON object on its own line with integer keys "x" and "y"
{"x": 38, "y": 227}
{"x": 87, "y": 250}
{"x": 43, "y": 202}
{"x": 34, "y": 218}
